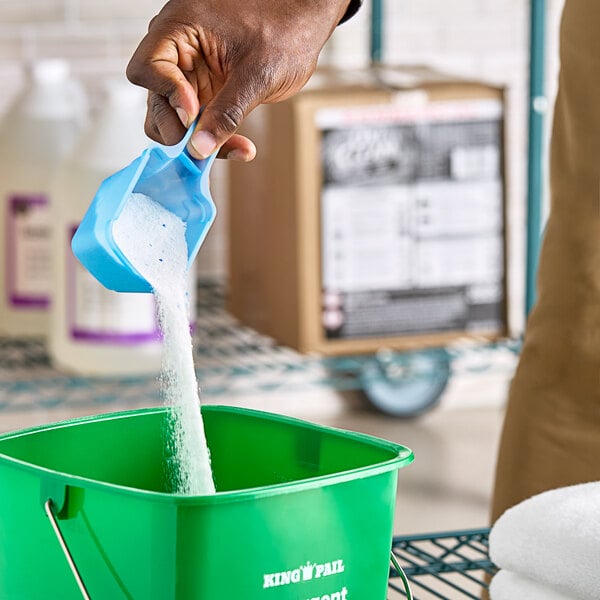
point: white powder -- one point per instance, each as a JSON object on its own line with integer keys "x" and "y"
{"x": 153, "y": 239}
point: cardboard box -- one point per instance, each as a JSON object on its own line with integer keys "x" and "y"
{"x": 373, "y": 215}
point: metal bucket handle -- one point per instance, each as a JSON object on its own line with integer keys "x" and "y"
{"x": 402, "y": 576}
{"x": 49, "y": 508}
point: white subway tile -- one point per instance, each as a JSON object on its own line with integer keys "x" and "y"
{"x": 28, "y": 11}
{"x": 116, "y": 9}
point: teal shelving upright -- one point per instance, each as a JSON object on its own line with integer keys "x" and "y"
{"x": 409, "y": 384}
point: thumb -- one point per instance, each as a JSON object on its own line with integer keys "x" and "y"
{"x": 223, "y": 115}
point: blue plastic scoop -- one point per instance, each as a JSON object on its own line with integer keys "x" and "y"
{"x": 168, "y": 175}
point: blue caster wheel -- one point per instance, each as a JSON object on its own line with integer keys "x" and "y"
{"x": 405, "y": 384}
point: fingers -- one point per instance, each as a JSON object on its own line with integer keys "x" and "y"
{"x": 238, "y": 148}
{"x": 224, "y": 113}
{"x": 154, "y": 65}
{"x": 162, "y": 124}
{"x": 175, "y": 97}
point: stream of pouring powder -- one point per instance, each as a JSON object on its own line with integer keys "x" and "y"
{"x": 153, "y": 239}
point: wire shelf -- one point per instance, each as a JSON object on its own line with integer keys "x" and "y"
{"x": 447, "y": 566}
{"x": 231, "y": 360}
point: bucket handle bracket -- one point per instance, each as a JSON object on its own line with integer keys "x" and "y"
{"x": 49, "y": 508}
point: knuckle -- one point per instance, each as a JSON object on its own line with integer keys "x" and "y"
{"x": 157, "y": 116}
{"x": 231, "y": 117}
{"x": 158, "y": 108}
{"x": 153, "y": 21}
{"x": 151, "y": 132}
{"x": 150, "y": 128}
{"x": 135, "y": 70}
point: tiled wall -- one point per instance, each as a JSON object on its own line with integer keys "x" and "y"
{"x": 479, "y": 38}
{"x": 96, "y": 37}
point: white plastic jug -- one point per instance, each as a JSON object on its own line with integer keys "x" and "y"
{"x": 96, "y": 331}
{"x": 36, "y": 133}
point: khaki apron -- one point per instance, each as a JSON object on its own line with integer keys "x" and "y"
{"x": 551, "y": 434}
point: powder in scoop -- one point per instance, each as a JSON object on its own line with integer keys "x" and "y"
{"x": 153, "y": 240}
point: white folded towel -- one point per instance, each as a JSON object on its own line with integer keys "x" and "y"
{"x": 510, "y": 586}
{"x": 554, "y": 539}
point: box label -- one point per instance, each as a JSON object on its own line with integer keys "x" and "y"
{"x": 28, "y": 251}
{"x": 412, "y": 219}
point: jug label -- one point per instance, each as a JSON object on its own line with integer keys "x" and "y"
{"x": 96, "y": 314}
{"x": 28, "y": 251}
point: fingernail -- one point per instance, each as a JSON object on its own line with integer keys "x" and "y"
{"x": 204, "y": 143}
{"x": 183, "y": 117}
{"x": 237, "y": 155}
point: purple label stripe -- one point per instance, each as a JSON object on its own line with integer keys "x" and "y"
{"x": 17, "y": 201}
{"x": 28, "y": 301}
{"x": 115, "y": 338}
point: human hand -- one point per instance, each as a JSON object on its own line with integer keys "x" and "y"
{"x": 227, "y": 56}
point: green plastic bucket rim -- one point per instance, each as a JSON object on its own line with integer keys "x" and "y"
{"x": 404, "y": 456}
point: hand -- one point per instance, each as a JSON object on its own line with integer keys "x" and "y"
{"x": 228, "y": 56}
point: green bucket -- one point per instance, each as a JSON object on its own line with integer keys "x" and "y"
{"x": 302, "y": 512}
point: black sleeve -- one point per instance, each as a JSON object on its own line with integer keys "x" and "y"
{"x": 351, "y": 10}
